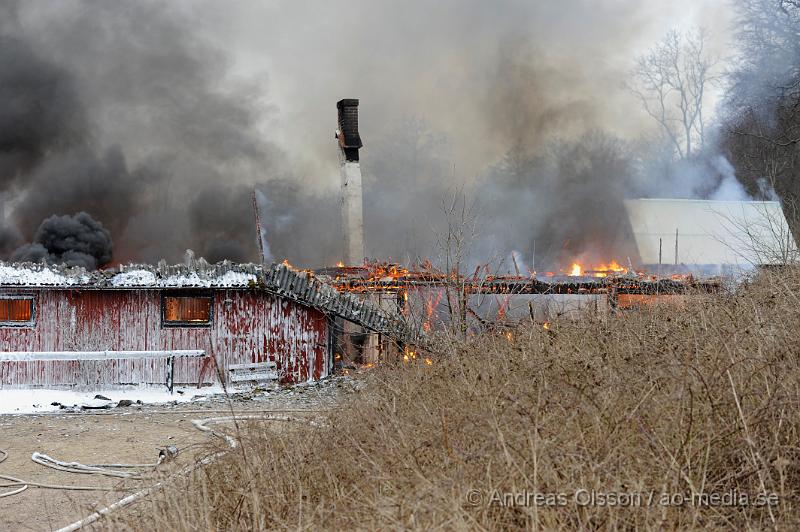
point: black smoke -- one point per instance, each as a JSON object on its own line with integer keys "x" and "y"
{"x": 77, "y": 240}
{"x": 116, "y": 111}
{"x": 40, "y": 111}
{"x": 300, "y": 225}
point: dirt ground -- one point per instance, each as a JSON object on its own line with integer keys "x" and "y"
{"x": 119, "y": 435}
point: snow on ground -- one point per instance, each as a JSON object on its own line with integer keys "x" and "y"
{"x": 30, "y": 401}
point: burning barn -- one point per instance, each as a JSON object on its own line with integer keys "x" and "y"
{"x": 182, "y": 324}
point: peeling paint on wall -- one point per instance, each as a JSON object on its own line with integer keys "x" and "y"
{"x": 248, "y": 326}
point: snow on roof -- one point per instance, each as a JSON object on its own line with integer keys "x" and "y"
{"x": 732, "y": 233}
{"x": 14, "y": 275}
{"x": 134, "y": 278}
{"x": 200, "y": 275}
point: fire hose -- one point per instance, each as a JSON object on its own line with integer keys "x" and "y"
{"x": 108, "y": 470}
{"x": 117, "y": 470}
{"x": 113, "y": 470}
{"x": 22, "y": 485}
{"x": 202, "y": 425}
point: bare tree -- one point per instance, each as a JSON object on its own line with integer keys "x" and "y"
{"x": 766, "y": 76}
{"x": 761, "y": 132}
{"x": 461, "y": 218}
{"x": 672, "y": 81}
{"x": 761, "y": 236}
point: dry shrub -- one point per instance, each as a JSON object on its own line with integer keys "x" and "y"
{"x": 700, "y": 399}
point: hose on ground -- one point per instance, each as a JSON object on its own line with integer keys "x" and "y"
{"x": 116, "y": 470}
{"x": 202, "y": 425}
{"x": 20, "y": 488}
{"x": 20, "y": 485}
{"x": 108, "y": 470}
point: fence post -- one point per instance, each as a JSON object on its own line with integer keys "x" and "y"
{"x": 170, "y": 373}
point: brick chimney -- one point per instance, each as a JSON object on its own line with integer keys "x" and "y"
{"x": 352, "y": 196}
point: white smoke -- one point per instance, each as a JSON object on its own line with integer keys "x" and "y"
{"x": 729, "y": 188}
{"x": 766, "y": 190}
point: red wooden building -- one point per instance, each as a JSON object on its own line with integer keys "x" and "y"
{"x": 72, "y": 328}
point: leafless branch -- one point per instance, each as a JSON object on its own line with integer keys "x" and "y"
{"x": 671, "y": 80}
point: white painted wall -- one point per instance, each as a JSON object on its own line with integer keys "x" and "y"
{"x": 352, "y": 213}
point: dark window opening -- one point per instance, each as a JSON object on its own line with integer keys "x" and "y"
{"x": 16, "y": 311}
{"x": 186, "y": 310}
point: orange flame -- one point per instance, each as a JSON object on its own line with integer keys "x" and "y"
{"x": 431, "y": 303}
{"x": 604, "y": 270}
{"x": 598, "y": 270}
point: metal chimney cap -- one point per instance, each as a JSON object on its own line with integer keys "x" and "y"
{"x": 347, "y": 102}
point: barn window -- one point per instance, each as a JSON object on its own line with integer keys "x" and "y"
{"x": 186, "y": 310}
{"x": 16, "y": 311}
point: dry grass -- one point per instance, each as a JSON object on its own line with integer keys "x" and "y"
{"x": 703, "y": 399}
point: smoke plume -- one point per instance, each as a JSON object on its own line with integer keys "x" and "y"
{"x": 159, "y": 119}
{"x": 117, "y": 111}
{"x": 77, "y": 240}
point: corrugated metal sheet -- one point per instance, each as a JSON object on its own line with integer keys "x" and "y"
{"x": 305, "y": 288}
{"x": 248, "y": 326}
{"x": 738, "y": 233}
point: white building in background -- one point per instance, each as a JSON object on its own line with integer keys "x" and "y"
{"x": 709, "y": 237}
{"x": 703, "y": 237}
